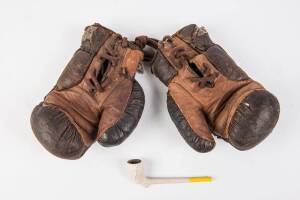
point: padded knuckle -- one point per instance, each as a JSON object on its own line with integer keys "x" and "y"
{"x": 254, "y": 119}
{"x": 56, "y": 133}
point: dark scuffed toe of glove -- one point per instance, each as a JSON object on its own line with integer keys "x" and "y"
{"x": 131, "y": 116}
{"x": 197, "y": 143}
{"x": 253, "y": 120}
{"x": 196, "y": 36}
{"x": 56, "y": 133}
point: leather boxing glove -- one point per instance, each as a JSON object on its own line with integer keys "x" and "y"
{"x": 208, "y": 93}
{"x": 96, "y": 98}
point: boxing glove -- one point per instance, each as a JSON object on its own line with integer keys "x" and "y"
{"x": 208, "y": 93}
{"x": 96, "y": 98}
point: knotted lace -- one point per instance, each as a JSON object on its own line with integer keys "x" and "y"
{"x": 111, "y": 58}
{"x": 205, "y": 79}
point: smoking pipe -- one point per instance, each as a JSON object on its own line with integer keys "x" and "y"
{"x": 136, "y": 173}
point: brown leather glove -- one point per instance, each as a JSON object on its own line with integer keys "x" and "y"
{"x": 208, "y": 93}
{"x": 95, "y": 98}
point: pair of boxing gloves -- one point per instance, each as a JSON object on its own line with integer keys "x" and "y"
{"x": 97, "y": 98}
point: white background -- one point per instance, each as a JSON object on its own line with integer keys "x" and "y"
{"x": 37, "y": 39}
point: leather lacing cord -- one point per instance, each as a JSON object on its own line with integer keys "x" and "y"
{"x": 143, "y": 40}
{"x": 112, "y": 56}
{"x": 205, "y": 79}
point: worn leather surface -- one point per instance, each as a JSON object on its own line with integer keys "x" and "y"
{"x": 208, "y": 92}
{"x": 129, "y": 120}
{"x": 95, "y": 98}
{"x": 163, "y": 73}
{"x": 253, "y": 120}
{"x": 55, "y": 131}
{"x": 197, "y": 142}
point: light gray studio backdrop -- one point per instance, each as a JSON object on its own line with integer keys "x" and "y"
{"x": 37, "y": 39}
